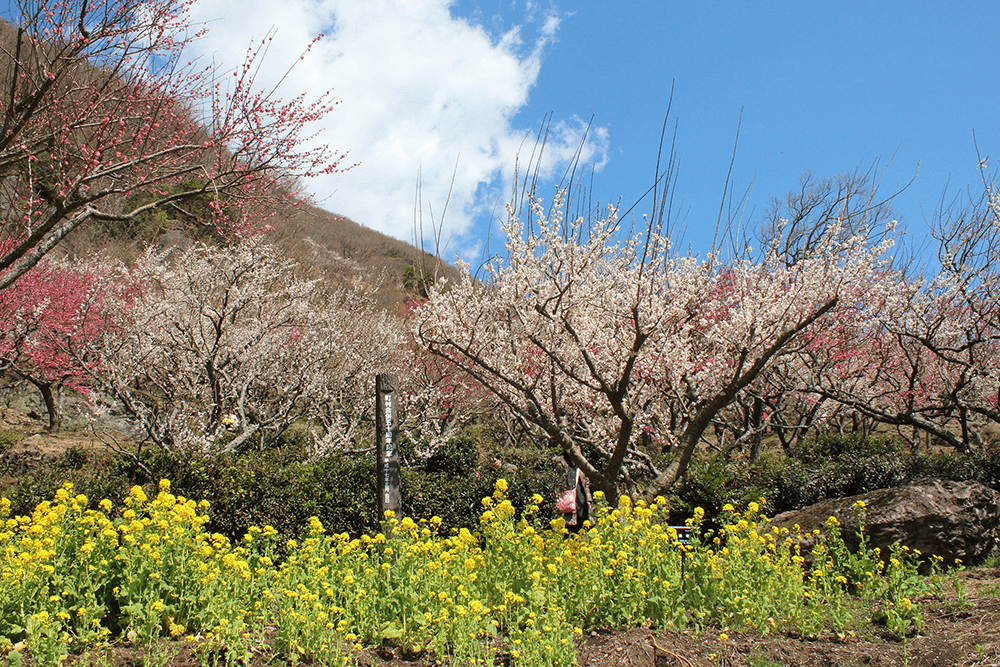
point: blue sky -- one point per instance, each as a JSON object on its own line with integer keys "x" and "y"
{"x": 826, "y": 86}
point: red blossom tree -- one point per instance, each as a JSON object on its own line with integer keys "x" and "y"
{"x": 51, "y": 324}
{"x": 103, "y": 119}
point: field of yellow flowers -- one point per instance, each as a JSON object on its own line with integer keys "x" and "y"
{"x": 513, "y": 592}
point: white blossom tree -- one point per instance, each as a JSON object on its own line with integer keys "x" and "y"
{"x": 230, "y": 341}
{"x": 615, "y": 348}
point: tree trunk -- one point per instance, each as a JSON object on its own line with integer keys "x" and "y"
{"x": 55, "y": 416}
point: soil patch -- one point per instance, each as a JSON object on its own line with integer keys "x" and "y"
{"x": 953, "y": 635}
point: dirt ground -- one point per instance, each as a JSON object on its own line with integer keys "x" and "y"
{"x": 36, "y": 442}
{"x": 950, "y": 638}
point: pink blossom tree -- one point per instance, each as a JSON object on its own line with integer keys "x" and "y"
{"x": 103, "y": 119}
{"x": 787, "y": 400}
{"x": 438, "y": 400}
{"x": 929, "y": 362}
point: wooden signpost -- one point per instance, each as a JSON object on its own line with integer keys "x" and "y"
{"x": 387, "y": 457}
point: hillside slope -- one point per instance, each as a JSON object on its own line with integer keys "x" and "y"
{"x": 335, "y": 248}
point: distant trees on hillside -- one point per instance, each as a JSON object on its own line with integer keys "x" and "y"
{"x": 102, "y": 119}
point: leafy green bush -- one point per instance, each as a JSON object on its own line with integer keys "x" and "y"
{"x": 946, "y": 465}
{"x": 282, "y": 488}
{"x": 830, "y": 466}
{"x": 988, "y": 465}
{"x": 711, "y": 484}
{"x": 982, "y": 466}
{"x": 457, "y": 457}
{"x": 849, "y": 476}
{"x": 784, "y": 482}
{"x": 276, "y": 488}
{"x": 457, "y": 501}
{"x": 833, "y": 446}
{"x": 93, "y": 473}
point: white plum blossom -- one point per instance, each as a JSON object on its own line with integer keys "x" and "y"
{"x": 228, "y": 346}
{"x": 619, "y": 350}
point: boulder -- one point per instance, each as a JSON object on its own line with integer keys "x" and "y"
{"x": 937, "y": 517}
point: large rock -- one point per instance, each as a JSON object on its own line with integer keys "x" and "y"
{"x": 937, "y": 517}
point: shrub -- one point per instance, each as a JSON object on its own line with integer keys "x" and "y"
{"x": 93, "y": 473}
{"x": 457, "y": 457}
{"x": 784, "y": 482}
{"x": 850, "y": 476}
{"x": 711, "y": 484}
{"x": 276, "y": 488}
{"x": 280, "y": 487}
{"x": 831, "y": 466}
{"x": 833, "y": 446}
{"x": 988, "y": 463}
{"x": 457, "y": 501}
{"x": 946, "y": 465}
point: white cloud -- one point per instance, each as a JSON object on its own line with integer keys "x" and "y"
{"x": 420, "y": 90}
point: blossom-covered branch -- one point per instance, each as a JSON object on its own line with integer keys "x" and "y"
{"x": 102, "y": 119}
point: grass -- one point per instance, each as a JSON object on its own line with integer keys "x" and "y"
{"x": 9, "y": 438}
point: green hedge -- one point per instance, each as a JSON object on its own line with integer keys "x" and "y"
{"x": 458, "y": 500}
{"x": 282, "y": 488}
{"x": 93, "y": 473}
